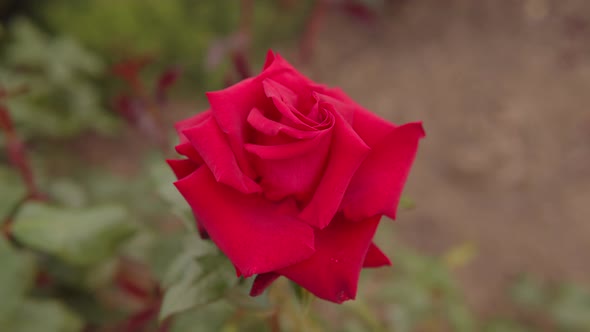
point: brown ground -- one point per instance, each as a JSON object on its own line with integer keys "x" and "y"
{"x": 503, "y": 88}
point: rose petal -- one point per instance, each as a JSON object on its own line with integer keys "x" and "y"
{"x": 262, "y": 282}
{"x": 192, "y": 121}
{"x": 186, "y": 149}
{"x": 213, "y": 147}
{"x": 292, "y": 117}
{"x": 290, "y": 150}
{"x": 258, "y": 236}
{"x": 270, "y": 58}
{"x": 377, "y": 185}
{"x": 270, "y": 127}
{"x": 182, "y": 167}
{"x": 347, "y": 110}
{"x": 371, "y": 128}
{"x": 289, "y": 105}
{"x": 347, "y": 153}
{"x": 291, "y": 169}
{"x": 232, "y": 105}
{"x": 332, "y": 272}
{"x": 282, "y": 72}
{"x": 230, "y": 108}
{"x": 273, "y": 89}
{"x": 375, "y": 257}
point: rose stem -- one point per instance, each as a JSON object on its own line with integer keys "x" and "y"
{"x": 312, "y": 28}
{"x": 240, "y": 50}
{"x": 16, "y": 149}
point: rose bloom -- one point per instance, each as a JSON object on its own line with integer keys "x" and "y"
{"x": 290, "y": 178}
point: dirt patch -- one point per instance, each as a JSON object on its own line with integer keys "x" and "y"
{"x": 503, "y": 89}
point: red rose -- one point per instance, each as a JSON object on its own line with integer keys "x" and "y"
{"x": 290, "y": 178}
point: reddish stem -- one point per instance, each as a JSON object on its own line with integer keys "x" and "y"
{"x": 17, "y": 154}
{"x": 241, "y": 64}
{"x": 307, "y": 43}
{"x": 240, "y": 49}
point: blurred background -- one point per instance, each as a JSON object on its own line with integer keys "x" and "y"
{"x": 493, "y": 235}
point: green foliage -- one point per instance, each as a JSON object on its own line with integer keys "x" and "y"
{"x": 198, "y": 276}
{"x": 77, "y": 236}
{"x": 567, "y": 305}
{"x": 208, "y": 318}
{"x": 174, "y": 32}
{"x": 13, "y": 285}
{"x": 47, "y": 316}
{"x": 61, "y": 98}
{"x": 12, "y": 190}
{"x": 422, "y": 292}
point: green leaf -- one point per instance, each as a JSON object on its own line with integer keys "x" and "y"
{"x": 16, "y": 276}
{"x": 530, "y": 293}
{"x": 571, "y": 308}
{"x": 406, "y": 203}
{"x": 62, "y": 96}
{"x": 46, "y": 316}
{"x": 163, "y": 179}
{"x": 12, "y": 191}
{"x": 77, "y": 236}
{"x": 207, "y": 318}
{"x": 502, "y": 325}
{"x": 67, "y": 192}
{"x": 196, "y": 278}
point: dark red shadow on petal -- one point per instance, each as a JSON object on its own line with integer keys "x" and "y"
{"x": 182, "y": 167}
{"x": 262, "y": 282}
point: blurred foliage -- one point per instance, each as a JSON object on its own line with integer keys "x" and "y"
{"x": 59, "y": 76}
{"x": 76, "y": 236}
{"x": 109, "y": 250}
{"x": 182, "y": 32}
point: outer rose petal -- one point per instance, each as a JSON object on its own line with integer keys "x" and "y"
{"x": 194, "y": 120}
{"x": 347, "y": 153}
{"x": 230, "y": 108}
{"x": 375, "y": 257}
{"x": 212, "y": 145}
{"x": 258, "y": 236}
{"x": 262, "y": 282}
{"x": 270, "y": 58}
{"x": 182, "y": 167}
{"x": 377, "y": 185}
{"x": 186, "y": 149}
{"x": 332, "y": 273}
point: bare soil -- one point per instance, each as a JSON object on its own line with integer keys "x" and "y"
{"x": 503, "y": 88}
